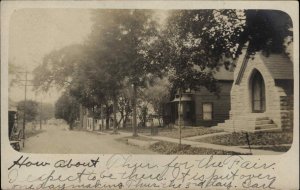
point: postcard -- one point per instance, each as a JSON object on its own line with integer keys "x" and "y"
{"x": 149, "y": 95}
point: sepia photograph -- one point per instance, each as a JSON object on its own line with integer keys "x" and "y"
{"x": 149, "y": 95}
{"x": 213, "y": 81}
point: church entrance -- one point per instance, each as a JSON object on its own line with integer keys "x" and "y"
{"x": 258, "y": 93}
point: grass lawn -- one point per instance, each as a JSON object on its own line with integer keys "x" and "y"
{"x": 139, "y": 130}
{"x": 173, "y": 148}
{"x": 260, "y": 138}
{"x": 188, "y": 132}
{"x": 275, "y": 148}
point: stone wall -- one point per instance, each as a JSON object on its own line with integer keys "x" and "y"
{"x": 287, "y": 107}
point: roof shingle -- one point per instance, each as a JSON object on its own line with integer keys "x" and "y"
{"x": 279, "y": 65}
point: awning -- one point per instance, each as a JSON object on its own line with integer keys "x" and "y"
{"x": 184, "y": 98}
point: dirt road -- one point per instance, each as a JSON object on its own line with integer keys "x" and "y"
{"x": 60, "y": 140}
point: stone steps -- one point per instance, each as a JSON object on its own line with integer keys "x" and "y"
{"x": 248, "y": 123}
{"x": 262, "y": 122}
{"x": 265, "y": 126}
{"x": 262, "y": 118}
{"x": 266, "y": 130}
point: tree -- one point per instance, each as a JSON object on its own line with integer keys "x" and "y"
{"x": 124, "y": 106}
{"x": 266, "y": 30}
{"x": 143, "y": 113}
{"x": 58, "y": 67}
{"x": 31, "y": 110}
{"x": 158, "y": 94}
{"x": 194, "y": 43}
{"x": 67, "y": 108}
{"x": 46, "y": 111}
{"x": 14, "y": 74}
{"x": 71, "y": 68}
{"x": 118, "y": 38}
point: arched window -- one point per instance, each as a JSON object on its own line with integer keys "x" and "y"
{"x": 258, "y": 93}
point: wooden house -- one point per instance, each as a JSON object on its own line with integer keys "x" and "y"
{"x": 203, "y": 108}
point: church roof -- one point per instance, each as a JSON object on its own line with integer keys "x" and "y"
{"x": 279, "y": 65}
{"x": 223, "y": 74}
{"x": 220, "y": 73}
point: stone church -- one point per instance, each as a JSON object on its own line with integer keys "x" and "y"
{"x": 261, "y": 94}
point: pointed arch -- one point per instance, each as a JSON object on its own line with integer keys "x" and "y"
{"x": 258, "y": 92}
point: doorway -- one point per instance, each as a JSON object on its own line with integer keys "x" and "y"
{"x": 258, "y": 93}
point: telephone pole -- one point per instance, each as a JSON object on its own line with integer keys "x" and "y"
{"x": 24, "y": 114}
{"x": 41, "y": 111}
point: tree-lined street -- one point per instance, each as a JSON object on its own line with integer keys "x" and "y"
{"x": 132, "y": 62}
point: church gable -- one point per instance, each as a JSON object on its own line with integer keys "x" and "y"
{"x": 256, "y": 95}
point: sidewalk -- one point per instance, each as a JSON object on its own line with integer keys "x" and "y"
{"x": 208, "y": 145}
{"x": 205, "y": 136}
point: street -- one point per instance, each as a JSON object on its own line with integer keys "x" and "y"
{"x": 60, "y": 140}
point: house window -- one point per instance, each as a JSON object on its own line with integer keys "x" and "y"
{"x": 207, "y": 111}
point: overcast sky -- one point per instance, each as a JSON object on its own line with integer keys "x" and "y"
{"x": 36, "y": 32}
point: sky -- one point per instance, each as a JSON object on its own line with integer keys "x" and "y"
{"x": 33, "y": 33}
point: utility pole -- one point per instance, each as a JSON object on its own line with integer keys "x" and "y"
{"x": 134, "y": 114}
{"x": 41, "y": 112}
{"x": 24, "y": 114}
{"x": 25, "y": 101}
{"x": 179, "y": 115}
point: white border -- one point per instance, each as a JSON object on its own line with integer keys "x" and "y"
{"x": 288, "y": 163}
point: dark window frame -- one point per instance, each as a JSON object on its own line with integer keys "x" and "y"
{"x": 212, "y": 111}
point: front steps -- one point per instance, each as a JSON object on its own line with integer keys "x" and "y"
{"x": 249, "y": 124}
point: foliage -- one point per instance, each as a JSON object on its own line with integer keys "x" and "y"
{"x": 31, "y": 110}
{"x": 67, "y": 108}
{"x": 266, "y": 30}
{"x": 143, "y": 113}
{"x": 117, "y": 43}
{"x": 128, "y": 49}
{"x": 195, "y": 43}
{"x": 157, "y": 94}
{"x": 125, "y": 108}
{"x": 261, "y": 138}
{"x": 119, "y": 37}
{"x": 14, "y": 74}
{"x": 173, "y": 148}
{"x": 58, "y": 67}
{"x": 46, "y": 111}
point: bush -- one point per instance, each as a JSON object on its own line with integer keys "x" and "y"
{"x": 173, "y": 148}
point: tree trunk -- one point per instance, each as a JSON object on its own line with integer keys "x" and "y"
{"x": 134, "y": 119}
{"x": 125, "y": 120}
{"x": 107, "y": 117}
{"x": 115, "y": 107}
{"x": 179, "y": 118}
{"x": 81, "y": 116}
{"x": 71, "y": 125}
{"x": 93, "y": 110}
{"x": 102, "y": 117}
